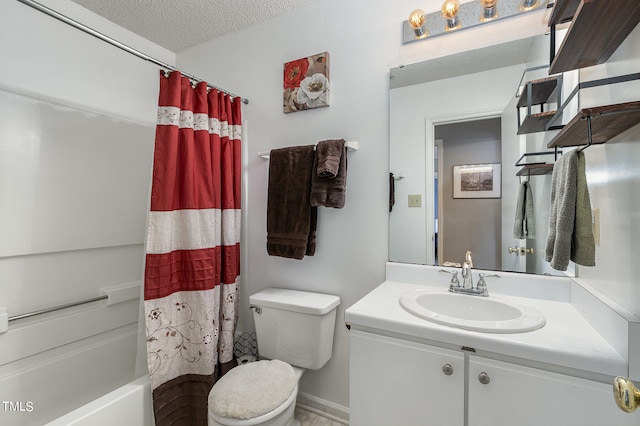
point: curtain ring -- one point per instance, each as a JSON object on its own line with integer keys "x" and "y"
{"x": 166, "y": 73}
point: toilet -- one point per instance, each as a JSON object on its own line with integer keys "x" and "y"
{"x": 295, "y": 332}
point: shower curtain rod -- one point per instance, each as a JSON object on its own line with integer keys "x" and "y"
{"x": 52, "y": 13}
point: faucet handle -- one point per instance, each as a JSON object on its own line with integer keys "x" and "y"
{"x": 482, "y": 284}
{"x": 454, "y": 279}
{"x": 483, "y": 275}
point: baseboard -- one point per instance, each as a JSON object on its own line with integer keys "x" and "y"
{"x": 330, "y": 410}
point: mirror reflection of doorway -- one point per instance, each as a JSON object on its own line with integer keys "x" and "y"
{"x": 466, "y": 224}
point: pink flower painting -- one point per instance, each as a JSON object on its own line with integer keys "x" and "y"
{"x": 306, "y": 83}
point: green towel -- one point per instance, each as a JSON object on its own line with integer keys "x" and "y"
{"x": 583, "y": 247}
{"x": 519, "y": 225}
{"x": 563, "y": 211}
{"x": 529, "y": 213}
{"x": 525, "y": 221}
{"x": 570, "y": 232}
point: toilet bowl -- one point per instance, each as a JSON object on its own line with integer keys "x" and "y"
{"x": 295, "y": 331}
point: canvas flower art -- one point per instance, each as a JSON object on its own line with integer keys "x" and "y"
{"x": 306, "y": 83}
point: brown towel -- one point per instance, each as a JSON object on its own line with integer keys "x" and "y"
{"x": 291, "y": 220}
{"x": 329, "y": 180}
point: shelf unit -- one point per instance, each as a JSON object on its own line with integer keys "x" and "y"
{"x": 606, "y": 122}
{"x": 536, "y": 169}
{"x": 597, "y": 28}
{"x": 538, "y": 92}
{"x": 563, "y": 11}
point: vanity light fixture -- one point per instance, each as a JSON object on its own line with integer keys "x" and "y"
{"x": 450, "y": 9}
{"x": 458, "y": 15}
{"x": 417, "y": 22}
{"x": 489, "y": 10}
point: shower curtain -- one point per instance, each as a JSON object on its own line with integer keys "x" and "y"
{"x": 192, "y": 250}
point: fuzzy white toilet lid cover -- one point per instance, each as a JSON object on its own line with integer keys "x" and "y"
{"x": 252, "y": 389}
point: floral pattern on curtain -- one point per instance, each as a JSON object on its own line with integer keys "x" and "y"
{"x": 192, "y": 251}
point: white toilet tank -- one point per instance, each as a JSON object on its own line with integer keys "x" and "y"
{"x": 295, "y": 326}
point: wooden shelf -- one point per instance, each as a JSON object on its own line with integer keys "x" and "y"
{"x": 597, "y": 29}
{"x": 535, "y": 122}
{"x": 606, "y": 122}
{"x": 535, "y": 170}
{"x": 563, "y": 11}
{"x": 541, "y": 90}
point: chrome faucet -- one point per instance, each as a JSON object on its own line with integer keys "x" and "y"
{"x": 467, "y": 287}
{"x": 467, "y": 274}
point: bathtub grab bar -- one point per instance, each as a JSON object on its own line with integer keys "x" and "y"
{"x": 57, "y": 308}
{"x": 113, "y": 294}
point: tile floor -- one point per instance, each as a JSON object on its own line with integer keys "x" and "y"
{"x": 307, "y": 418}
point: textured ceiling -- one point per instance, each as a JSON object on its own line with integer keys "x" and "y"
{"x": 177, "y": 25}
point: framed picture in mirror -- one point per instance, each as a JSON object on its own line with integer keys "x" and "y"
{"x": 477, "y": 181}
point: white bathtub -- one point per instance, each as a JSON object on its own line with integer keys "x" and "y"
{"x": 127, "y": 405}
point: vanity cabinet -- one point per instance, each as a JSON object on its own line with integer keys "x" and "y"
{"x": 397, "y": 382}
{"x": 536, "y": 397}
{"x": 394, "y": 381}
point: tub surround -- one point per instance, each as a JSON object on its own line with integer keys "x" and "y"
{"x": 568, "y": 343}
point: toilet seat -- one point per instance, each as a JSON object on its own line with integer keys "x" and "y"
{"x": 253, "y": 391}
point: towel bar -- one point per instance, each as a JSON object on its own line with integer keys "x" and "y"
{"x": 351, "y": 146}
{"x": 57, "y": 308}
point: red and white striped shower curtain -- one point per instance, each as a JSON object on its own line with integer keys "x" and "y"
{"x": 192, "y": 250}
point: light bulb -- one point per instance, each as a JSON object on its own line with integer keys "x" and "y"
{"x": 450, "y": 10}
{"x": 417, "y": 21}
{"x": 489, "y": 10}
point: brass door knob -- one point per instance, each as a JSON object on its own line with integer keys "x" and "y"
{"x": 627, "y": 396}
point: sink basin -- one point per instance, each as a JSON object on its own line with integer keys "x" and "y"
{"x": 485, "y": 314}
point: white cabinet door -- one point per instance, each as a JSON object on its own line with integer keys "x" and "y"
{"x": 517, "y": 395}
{"x": 396, "y": 382}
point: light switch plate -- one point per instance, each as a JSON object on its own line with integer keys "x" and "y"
{"x": 415, "y": 200}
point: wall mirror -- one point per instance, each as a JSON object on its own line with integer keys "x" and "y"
{"x": 451, "y": 113}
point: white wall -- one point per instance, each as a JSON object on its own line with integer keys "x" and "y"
{"x": 613, "y": 175}
{"x": 77, "y": 126}
{"x": 364, "y": 41}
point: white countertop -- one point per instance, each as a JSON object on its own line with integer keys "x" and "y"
{"x": 567, "y": 340}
